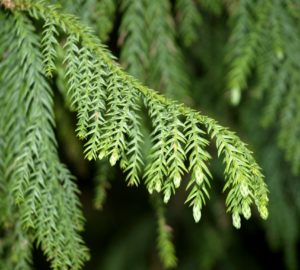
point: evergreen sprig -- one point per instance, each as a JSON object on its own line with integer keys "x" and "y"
{"x": 108, "y": 105}
{"x": 48, "y": 44}
{"x": 241, "y": 167}
{"x": 198, "y": 157}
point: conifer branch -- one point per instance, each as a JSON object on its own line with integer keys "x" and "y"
{"x": 109, "y": 104}
{"x": 244, "y": 181}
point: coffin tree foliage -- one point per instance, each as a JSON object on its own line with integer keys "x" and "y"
{"x": 40, "y": 44}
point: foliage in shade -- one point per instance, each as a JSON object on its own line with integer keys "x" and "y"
{"x": 189, "y": 20}
{"x": 164, "y": 52}
{"x": 284, "y": 190}
{"x": 265, "y": 41}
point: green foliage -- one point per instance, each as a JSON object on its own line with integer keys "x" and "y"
{"x": 189, "y": 20}
{"x": 266, "y": 40}
{"x": 42, "y": 187}
{"x": 16, "y": 243}
{"x": 165, "y": 245}
{"x": 153, "y": 50}
{"x": 214, "y": 6}
{"x": 102, "y": 179}
{"x": 166, "y": 60}
{"x": 48, "y": 44}
{"x": 133, "y": 39}
{"x": 100, "y": 13}
{"x": 200, "y": 177}
{"x": 284, "y": 190}
{"x": 39, "y": 190}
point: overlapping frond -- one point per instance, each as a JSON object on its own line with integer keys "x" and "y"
{"x": 43, "y": 189}
{"x": 15, "y": 252}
